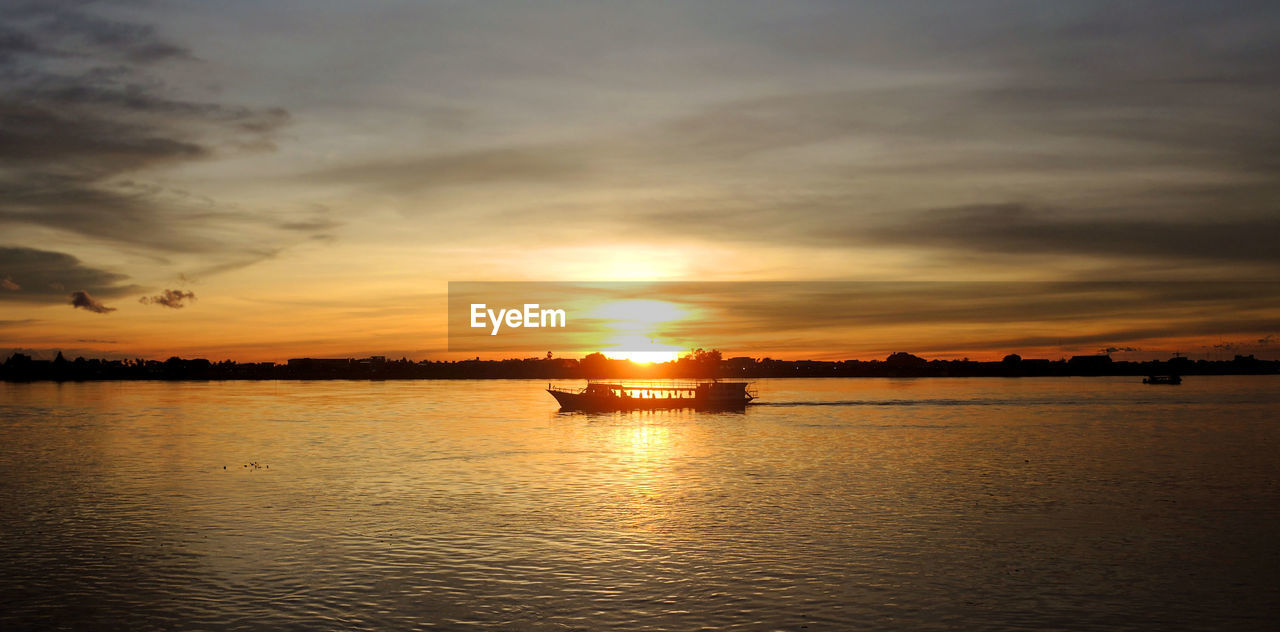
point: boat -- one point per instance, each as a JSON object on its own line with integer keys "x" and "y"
{"x": 608, "y": 395}
{"x": 1162, "y": 379}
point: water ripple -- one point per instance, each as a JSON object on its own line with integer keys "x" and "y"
{"x": 839, "y": 504}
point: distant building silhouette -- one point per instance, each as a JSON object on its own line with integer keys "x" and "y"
{"x": 21, "y": 367}
{"x": 1089, "y": 364}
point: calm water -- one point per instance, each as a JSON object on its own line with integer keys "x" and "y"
{"x": 837, "y": 504}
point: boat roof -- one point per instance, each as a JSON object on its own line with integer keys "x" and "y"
{"x": 661, "y": 384}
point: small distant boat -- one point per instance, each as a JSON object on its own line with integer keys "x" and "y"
{"x": 608, "y": 395}
{"x": 1162, "y": 379}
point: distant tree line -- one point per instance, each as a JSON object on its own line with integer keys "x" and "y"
{"x": 697, "y": 364}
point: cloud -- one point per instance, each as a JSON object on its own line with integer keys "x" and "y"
{"x": 1110, "y": 350}
{"x": 169, "y": 298}
{"x": 83, "y": 300}
{"x": 986, "y": 131}
{"x": 8, "y": 284}
{"x": 82, "y": 34}
{"x": 313, "y": 225}
{"x": 880, "y": 167}
{"x": 84, "y": 116}
{"x": 498, "y": 165}
{"x": 1103, "y": 141}
{"x": 43, "y": 276}
{"x": 1017, "y": 228}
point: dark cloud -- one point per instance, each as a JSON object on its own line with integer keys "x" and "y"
{"x": 67, "y": 29}
{"x": 1052, "y": 306}
{"x": 83, "y": 33}
{"x": 14, "y": 43}
{"x": 1015, "y": 228}
{"x": 541, "y": 163}
{"x": 82, "y": 115}
{"x": 43, "y": 276}
{"x": 1073, "y": 339}
{"x": 169, "y": 298}
{"x": 83, "y": 300}
{"x": 310, "y": 225}
{"x": 1110, "y": 350}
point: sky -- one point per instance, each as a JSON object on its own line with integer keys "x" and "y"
{"x": 261, "y": 181}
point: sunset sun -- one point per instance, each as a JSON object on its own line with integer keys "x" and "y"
{"x": 643, "y": 357}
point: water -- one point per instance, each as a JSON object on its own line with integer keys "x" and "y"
{"x": 836, "y": 504}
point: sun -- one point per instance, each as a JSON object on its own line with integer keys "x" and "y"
{"x": 634, "y": 325}
{"x": 643, "y": 357}
{"x": 640, "y": 349}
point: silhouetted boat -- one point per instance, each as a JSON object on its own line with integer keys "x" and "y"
{"x": 625, "y": 395}
{"x": 1162, "y": 379}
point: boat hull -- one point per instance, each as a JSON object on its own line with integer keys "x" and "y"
{"x": 597, "y": 403}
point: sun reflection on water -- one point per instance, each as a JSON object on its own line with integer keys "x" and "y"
{"x": 647, "y": 441}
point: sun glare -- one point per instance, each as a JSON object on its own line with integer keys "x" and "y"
{"x": 643, "y": 357}
{"x": 640, "y": 349}
{"x": 634, "y": 325}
